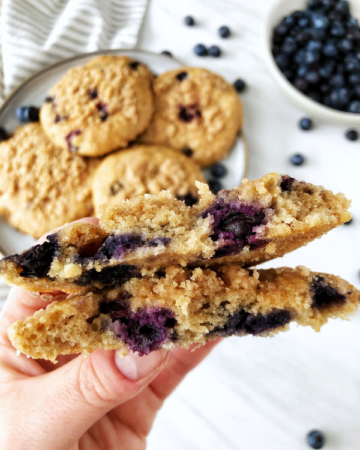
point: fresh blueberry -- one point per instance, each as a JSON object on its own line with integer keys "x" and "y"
{"x": 302, "y": 71}
{"x": 289, "y": 21}
{"x": 326, "y": 71}
{"x": 320, "y": 21}
{"x": 314, "y": 45}
{"x": 218, "y": 170}
{"x": 282, "y": 61}
{"x": 348, "y": 222}
{"x": 289, "y": 47}
{"x": 3, "y": 134}
{"x": 354, "y": 79}
{"x": 357, "y": 91}
{"x": 200, "y": 50}
{"x": 300, "y": 56}
{"x": 314, "y": 4}
{"x": 297, "y": 160}
{"x": 319, "y": 35}
{"x": 240, "y": 85}
{"x": 301, "y": 84}
{"x": 214, "y": 51}
{"x": 306, "y": 124}
{"x": 343, "y": 8}
{"x": 346, "y": 45}
{"x": 337, "y": 29}
{"x": 281, "y": 30}
{"x": 304, "y": 22}
{"x": 340, "y": 98}
{"x": 224, "y": 31}
{"x": 352, "y": 135}
{"x": 215, "y": 186}
{"x": 167, "y": 53}
{"x": 26, "y": 114}
{"x": 316, "y": 439}
{"x": 189, "y": 21}
{"x": 330, "y": 50}
{"x": 312, "y": 77}
{"x": 303, "y": 37}
{"x": 312, "y": 57}
{"x": 337, "y": 80}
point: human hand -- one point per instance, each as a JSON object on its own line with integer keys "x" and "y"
{"x": 98, "y": 402}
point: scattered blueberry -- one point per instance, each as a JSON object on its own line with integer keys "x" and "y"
{"x": 214, "y": 51}
{"x": 348, "y": 222}
{"x": 200, "y": 50}
{"x": 240, "y": 85}
{"x": 27, "y": 114}
{"x": 167, "y": 53}
{"x": 352, "y": 135}
{"x": 215, "y": 186}
{"x": 3, "y": 134}
{"x": 306, "y": 124}
{"x": 354, "y": 107}
{"x": 189, "y": 21}
{"x": 316, "y": 439}
{"x": 224, "y": 32}
{"x": 297, "y": 160}
{"x": 218, "y": 170}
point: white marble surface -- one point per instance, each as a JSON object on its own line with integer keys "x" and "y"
{"x": 254, "y": 393}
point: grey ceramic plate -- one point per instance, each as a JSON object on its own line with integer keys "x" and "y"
{"x": 33, "y": 92}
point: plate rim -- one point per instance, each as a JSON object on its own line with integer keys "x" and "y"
{"x": 8, "y": 99}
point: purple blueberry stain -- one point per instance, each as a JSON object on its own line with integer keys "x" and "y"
{"x": 93, "y": 94}
{"x": 188, "y": 199}
{"x": 243, "y": 322}
{"x": 188, "y": 113}
{"x": 36, "y": 261}
{"x": 181, "y": 76}
{"x": 108, "y": 276}
{"x": 325, "y": 296}
{"x": 134, "y": 65}
{"x": 235, "y": 225}
{"x": 286, "y": 183}
{"x": 145, "y": 330}
{"x": 69, "y": 137}
{"x": 103, "y": 111}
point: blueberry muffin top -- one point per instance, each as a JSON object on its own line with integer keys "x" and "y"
{"x": 42, "y": 187}
{"x": 99, "y": 107}
{"x": 196, "y": 111}
{"x": 146, "y": 169}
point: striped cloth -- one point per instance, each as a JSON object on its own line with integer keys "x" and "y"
{"x": 36, "y": 33}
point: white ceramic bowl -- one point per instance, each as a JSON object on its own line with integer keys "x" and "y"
{"x": 280, "y": 9}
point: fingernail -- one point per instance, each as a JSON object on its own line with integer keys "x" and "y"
{"x": 135, "y": 367}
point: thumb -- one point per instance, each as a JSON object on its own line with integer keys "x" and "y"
{"x": 69, "y": 400}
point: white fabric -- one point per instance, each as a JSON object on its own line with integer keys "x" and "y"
{"x": 36, "y": 33}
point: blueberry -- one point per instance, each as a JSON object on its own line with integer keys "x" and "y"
{"x": 352, "y": 135}
{"x": 289, "y": 21}
{"x": 327, "y": 101}
{"x": 306, "y": 124}
{"x": 189, "y": 21}
{"x": 181, "y": 76}
{"x": 346, "y": 45}
{"x": 324, "y": 88}
{"x": 312, "y": 57}
{"x": 27, "y": 114}
{"x": 337, "y": 80}
{"x": 282, "y": 61}
{"x": 330, "y": 50}
{"x": 349, "y": 222}
{"x": 320, "y": 21}
{"x": 214, "y": 51}
{"x": 289, "y": 48}
{"x": 300, "y": 56}
{"x": 3, "y": 134}
{"x": 302, "y": 37}
{"x": 312, "y": 77}
{"x": 167, "y": 53}
{"x": 343, "y": 8}
{"x": 301, "y": 84}
{"x": 337, "y": 29}
{"x": 215, "y": 186}
{"x": 326, "y": 71}
{"x": 240, "y": 85}
{"x": 200, "y": 50}
{"x": 340, "y": 97}
{"x": 281, "y": 30}
{"x": 352, "y": 65}
{"x": 319, "y": 35}
{"x": 314, "y": 45}
{"x": 218, "y": 170}
{"x": 303, "y": 22}
{"x": 224, "y": 31}
{"x": 357, "y": 91}
{"x": 314, "y": 4}
{"x": 302, "y": 71}
{"x": 297, "y": 160}
{"x": 354, "y": 79}
{"x": 316, "y": 439}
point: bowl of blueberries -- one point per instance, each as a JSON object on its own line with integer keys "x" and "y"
{"x": 312, "y": 49}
